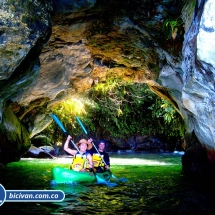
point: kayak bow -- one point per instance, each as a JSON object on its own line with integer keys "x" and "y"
{"x": 63, "y": 175}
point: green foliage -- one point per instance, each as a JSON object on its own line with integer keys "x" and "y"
{"x": 126, "y": 108}
{"x": 172, "y": 27}
{"x": 170, "y": 122}
{"x": 120, "y": 109}
{"x": 68, "y": 109}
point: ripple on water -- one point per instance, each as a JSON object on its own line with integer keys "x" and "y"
{"x": 140, "y": 188}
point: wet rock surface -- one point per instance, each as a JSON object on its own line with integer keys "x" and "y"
{"x": 53, "y": 51}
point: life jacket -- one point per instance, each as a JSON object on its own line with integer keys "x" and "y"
{"x": 97, "y": 160}
{"x": 79, "y": 162}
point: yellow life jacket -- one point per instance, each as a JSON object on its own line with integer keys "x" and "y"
{"x": 79, "y": 162}
{"x": 97, "y": 160}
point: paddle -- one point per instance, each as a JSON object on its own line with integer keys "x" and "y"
{"x": 59, "y": 123}
{"x": 85, "y": 131}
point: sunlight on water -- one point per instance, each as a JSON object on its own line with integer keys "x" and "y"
{"x": 122, "y": 159}
{"x": 145, "y": 184}
{"x": 137, "y": 161}
{"x": 114, "y": 161}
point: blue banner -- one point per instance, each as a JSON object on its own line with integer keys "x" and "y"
{"x": 34, "y": 195}
{"x": 30, "y": 195}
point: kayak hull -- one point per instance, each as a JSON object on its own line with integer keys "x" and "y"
{"x": 63, "y": 175}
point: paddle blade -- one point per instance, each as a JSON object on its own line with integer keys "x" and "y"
{"x": 100, "y": 180}
{"x": 82, "y": 126}
{"x": 112, "y": 175}
{"x": 55, "y": 118}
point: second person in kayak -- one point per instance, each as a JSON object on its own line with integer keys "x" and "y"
{"x": 82, "y": 160}
{"x": 101, "y": 159}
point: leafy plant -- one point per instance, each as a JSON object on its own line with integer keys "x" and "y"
{"x": 172, "y": 27}
{"x": 126, "y": 108}
{"x": 120, "y": 109}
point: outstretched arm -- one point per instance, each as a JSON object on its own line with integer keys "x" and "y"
{"x": 66, "y": 146}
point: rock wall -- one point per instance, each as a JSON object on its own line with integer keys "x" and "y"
{"x": 198, "y": 65}
{"x": 25, "y": 27}
{"x": 14, "y": 138}
{"x": 93, "y": 40}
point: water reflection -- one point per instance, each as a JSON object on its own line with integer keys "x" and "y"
{"x": 148, "y": 184}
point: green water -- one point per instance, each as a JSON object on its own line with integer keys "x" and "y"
{"x": 148, "y": 184}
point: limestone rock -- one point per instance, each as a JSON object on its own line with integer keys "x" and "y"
{"x": 14, "y": 138}
{"x": 92, "y": 40}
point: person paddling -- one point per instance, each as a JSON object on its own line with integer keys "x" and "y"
{"x": 82, "y": 160}
{"x": 98, "y": 162}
